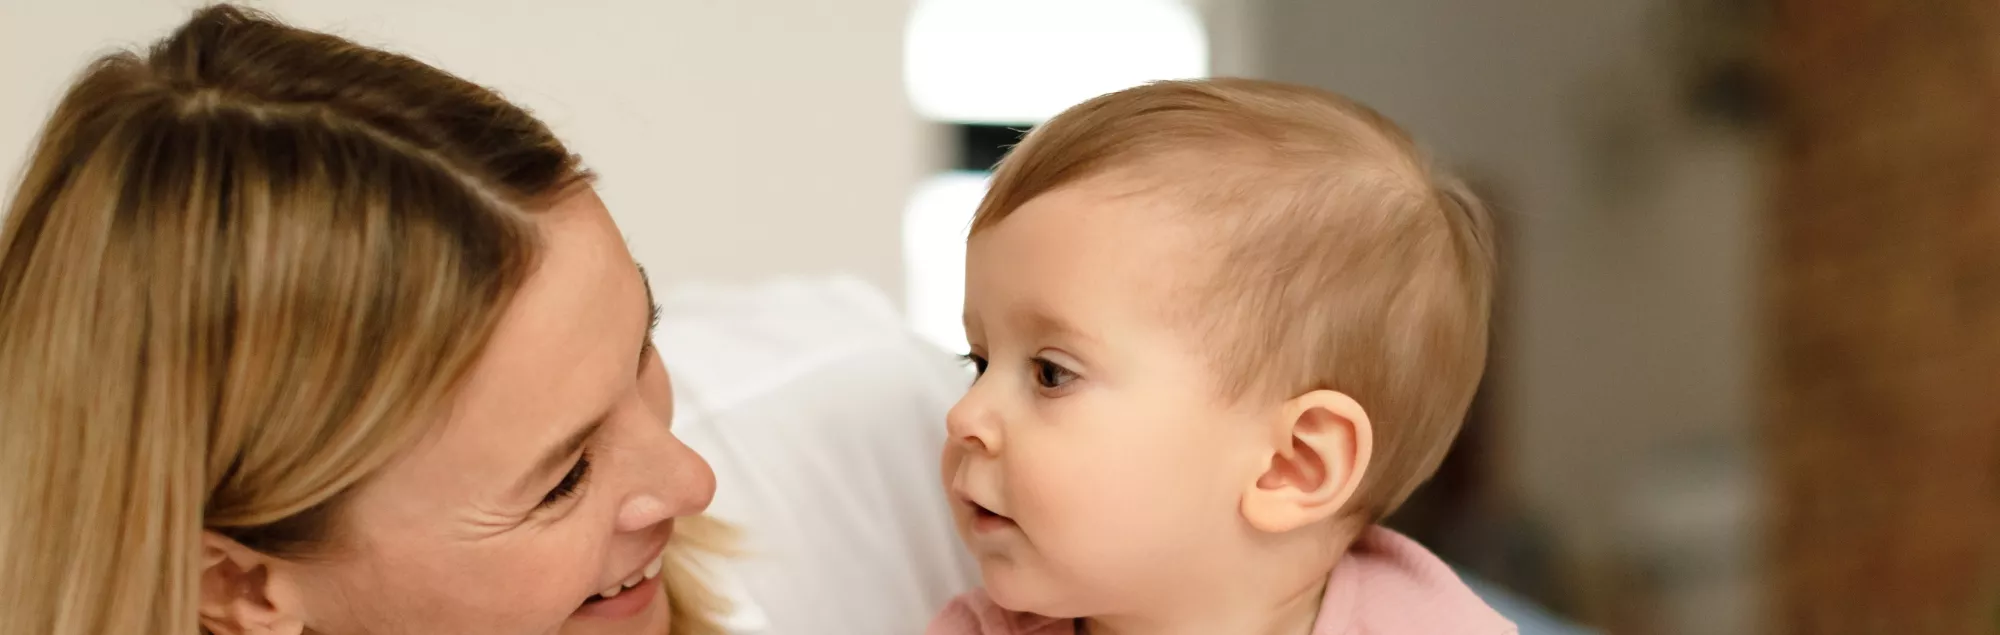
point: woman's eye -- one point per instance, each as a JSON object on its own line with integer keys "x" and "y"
{"x": 1050, "y": 375}
{"x": 978, "y": 363}
{"x": 571, "y": 483}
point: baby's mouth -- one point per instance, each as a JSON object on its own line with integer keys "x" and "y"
{"x": 983, "y": 518}
{"x": 986, "y": 520}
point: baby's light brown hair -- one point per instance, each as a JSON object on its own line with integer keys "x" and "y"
{"x": 1342, "y": 258}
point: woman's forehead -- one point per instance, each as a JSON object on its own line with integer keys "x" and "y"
{"x": 565, "y": 348}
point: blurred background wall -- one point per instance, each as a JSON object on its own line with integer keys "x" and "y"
{"x": 1620, "y": 430}
{"x": 735, "y": 140}
{"x": 1618, "y": 469}
{"x": 1882, "y": 311}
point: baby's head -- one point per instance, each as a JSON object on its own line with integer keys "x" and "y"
{"x": 1221, "y": 327}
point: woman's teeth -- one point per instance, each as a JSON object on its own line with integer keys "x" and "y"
{"x": 652, "y": 571}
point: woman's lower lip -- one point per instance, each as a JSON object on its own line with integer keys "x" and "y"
{"x": 629, "y": 602}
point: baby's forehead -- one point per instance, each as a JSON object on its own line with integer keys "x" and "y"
{"x": 1129, "y": 227}
{"x": 1086, "y": 262}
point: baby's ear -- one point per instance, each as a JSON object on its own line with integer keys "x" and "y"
{"x": 1320, "y": 446}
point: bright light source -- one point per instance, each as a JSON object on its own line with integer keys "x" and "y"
{"x": 1019, "y": 62}
{"x": 934, "y": 232}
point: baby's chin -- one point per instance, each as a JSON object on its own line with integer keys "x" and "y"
{"x": 1022, "y": 589}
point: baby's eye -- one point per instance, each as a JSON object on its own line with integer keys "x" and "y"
{"x": 1050, "y": 375}
{"x": 978, "y": 363}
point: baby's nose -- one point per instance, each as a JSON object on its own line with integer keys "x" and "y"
{"x": 973, "y": 427}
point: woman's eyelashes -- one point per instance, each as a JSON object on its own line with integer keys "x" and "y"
{"x": 571, "y": 483}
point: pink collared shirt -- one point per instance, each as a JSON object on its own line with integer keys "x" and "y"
{"x": 1386, "y": 585}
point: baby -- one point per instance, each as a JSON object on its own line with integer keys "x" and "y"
{"x": 1221, "y": 328}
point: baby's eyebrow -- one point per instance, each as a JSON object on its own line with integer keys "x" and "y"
{"x": 1043, "y": 322}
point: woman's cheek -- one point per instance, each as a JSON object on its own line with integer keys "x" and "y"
{"x": 543, "y": 579}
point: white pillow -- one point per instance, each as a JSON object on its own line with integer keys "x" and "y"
{"x": 823, "y": 418}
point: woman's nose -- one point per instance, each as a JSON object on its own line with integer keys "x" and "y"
{"x": 676, "y": 482}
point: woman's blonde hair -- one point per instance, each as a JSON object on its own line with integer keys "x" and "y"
{"x": 239, "y": 274}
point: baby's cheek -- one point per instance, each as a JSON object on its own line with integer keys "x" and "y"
{"x": 1060, "y": 484}
{"x": 1091, "y": 510}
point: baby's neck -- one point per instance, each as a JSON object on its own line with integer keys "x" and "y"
{"x": 1288, "y": 612}
{"x": 1276, "y": 591}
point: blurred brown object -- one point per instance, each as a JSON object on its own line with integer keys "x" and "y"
{"x": 1883, "y": 317}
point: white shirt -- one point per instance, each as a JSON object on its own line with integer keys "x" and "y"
{"x": 823, "y": 418}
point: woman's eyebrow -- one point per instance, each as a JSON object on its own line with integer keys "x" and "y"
{"x": 651, "y": 308}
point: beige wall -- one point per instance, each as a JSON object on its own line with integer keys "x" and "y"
{"x": 736, "y": 140}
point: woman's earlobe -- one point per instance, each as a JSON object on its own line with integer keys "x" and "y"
{"x": 1320, "y": 451}
{"x": 237, "y": 591}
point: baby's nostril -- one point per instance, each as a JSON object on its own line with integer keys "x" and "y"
{"x": 971, "y": 443}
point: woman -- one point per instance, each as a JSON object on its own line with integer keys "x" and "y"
{"x": 298, "y": 336}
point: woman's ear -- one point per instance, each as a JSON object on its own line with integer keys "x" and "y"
{"x": 1320, "y": 445}
{"x": 240, "y": 594}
